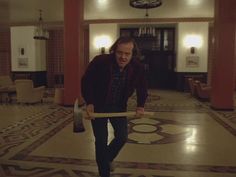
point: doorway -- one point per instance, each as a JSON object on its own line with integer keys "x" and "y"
{"x": 158, "y": 54}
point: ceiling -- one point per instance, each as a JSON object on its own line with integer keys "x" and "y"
{"x": 120, "y": 9}
{"x": 26, "y": 11}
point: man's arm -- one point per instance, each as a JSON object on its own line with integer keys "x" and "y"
{"x": 87, "y": 82}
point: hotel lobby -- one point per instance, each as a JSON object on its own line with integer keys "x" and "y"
{"x": 187, "y": 136}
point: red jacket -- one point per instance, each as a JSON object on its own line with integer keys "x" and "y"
{"x": 96, "y": 81}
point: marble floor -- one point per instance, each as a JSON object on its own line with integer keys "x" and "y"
{"x": 184, "y": 138}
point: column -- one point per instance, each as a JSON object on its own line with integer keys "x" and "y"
{"x": 73, "y": 48}
{"x": 223, "y": 69}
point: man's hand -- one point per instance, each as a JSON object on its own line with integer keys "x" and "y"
{"x": 139, "y": 111}
{"x": 89, "y": 109}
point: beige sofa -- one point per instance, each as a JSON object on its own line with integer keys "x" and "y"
{"x": 7, "y": 89}
{"x": 7, "y": 83}
{"x": 26, "y": 93}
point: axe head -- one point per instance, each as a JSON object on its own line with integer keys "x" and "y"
{"x": 78, "y": 125}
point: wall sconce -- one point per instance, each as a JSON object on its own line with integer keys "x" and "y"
{"x": 103, "y": 50}
{"x": 22, "y": 51}
{"x": 192, "y": 42}
{"x": 192, "y": 50}
{"x": 102, "y": 42}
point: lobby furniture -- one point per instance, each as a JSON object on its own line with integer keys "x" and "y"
{"x": 39, "y": 78}
{"x": 7, "y": 89}
{"x": 59, "y": 96}
{"x": 182, "y": 79}
{"x": 203, "y": 91}
{"x": 6, "y": 82}
{"x": 6, "y": 94}
{"x": 192, "y": 86}
{"x": 26, "y": 93}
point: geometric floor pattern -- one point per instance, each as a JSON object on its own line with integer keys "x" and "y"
{"x": 184, "y": 138}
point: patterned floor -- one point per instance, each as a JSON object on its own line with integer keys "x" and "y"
{"x": 184, "y": 138}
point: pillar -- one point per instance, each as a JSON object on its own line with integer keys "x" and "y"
{"x": 73, "y": 49}
{"x": 223, "y": 69}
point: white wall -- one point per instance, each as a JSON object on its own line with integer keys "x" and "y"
{"x": 26, "y": 11}
{"x": 96, "y": 30}
{"x": 183, "y": 29}
{"x": 192, "y": 28}
{"x": 34, "y": 56}
{"x": 120, "y": 9}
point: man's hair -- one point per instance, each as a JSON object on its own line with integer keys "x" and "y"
{"x": 123, "y": 40}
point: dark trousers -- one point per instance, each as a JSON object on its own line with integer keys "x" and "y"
{"x": 105, "y": 153}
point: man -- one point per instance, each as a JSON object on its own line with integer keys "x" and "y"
{"x": 108, "y": 82}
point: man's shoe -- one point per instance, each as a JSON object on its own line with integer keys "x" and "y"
{"x": 112, "y": 166}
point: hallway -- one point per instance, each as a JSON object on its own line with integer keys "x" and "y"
{"x": 185, "y": 138}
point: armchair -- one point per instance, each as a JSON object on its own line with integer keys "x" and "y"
{"x": 7, "y": 88}
{"x": 26, "y": 93}
{"x": 203, "y": 90}
{"x": 7, "y": 83}
{"x": 192, "y": 86}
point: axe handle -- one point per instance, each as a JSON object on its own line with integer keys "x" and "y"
{"x": 118, "y": 114}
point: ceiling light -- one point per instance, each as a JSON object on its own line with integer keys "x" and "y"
{"x": 40, "y": 32}
{"x": 147, "y": 30}
{"x": 145, "y": 4}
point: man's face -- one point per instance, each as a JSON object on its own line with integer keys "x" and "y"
{"x": 124, "y": 54}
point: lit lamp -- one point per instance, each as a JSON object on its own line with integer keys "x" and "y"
{"x": 41, "y": 33}
{"x": 103, "y": 50}
{"x": 192, "y": 50}
{"x": 193, "y": 42}
{"x": 102, "y": 42}
{"x": 146, "y": 4}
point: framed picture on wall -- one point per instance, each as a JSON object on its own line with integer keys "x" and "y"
{"x": 192, "y": 61}
{"x": 23, "y": 62}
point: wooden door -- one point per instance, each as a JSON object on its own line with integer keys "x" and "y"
{"x": 158, "y": 55}
{"x": 160, "y": 70}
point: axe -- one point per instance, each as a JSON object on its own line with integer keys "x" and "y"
{"x": 78, "y": 125}
{"x": 117, "y": 114}
{"x": 79, "y": 116}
